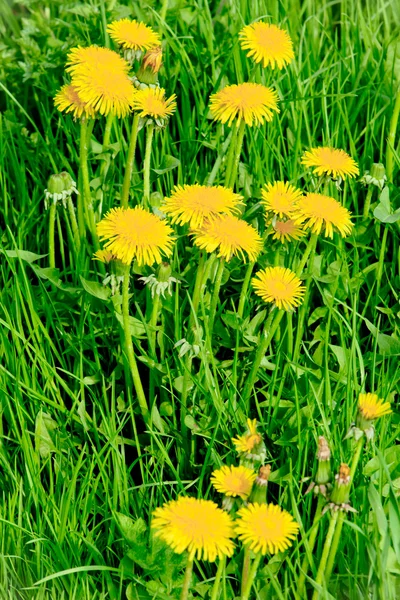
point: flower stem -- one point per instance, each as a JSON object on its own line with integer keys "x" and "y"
{"x": 87, "y": 198}
{"x": 391, "y": 138}
{"x": 215, "y": 296}
{"x": 146, "y": 165}
{"x": 238, "y": 150}
{"x": 269, "y": 331}
{"x": 245, "y": 569}
{"x": 335, "y": 543}
{"x": 231, "y": 154}
{"x": 311, "y": 543}
{"x": 381, "y": 260}
{"x": 325, "y": 553}
{"x": 367, "y": 203}
{"x": 153, "y": 324}
{"x": 245, "y": 287}
{"x": 187, "y": 579}
{"x": 253, "y": 571}
{"x": 130, "y": 159}
{"x": 74, "y": 224}
{"x": 106, "y": 141}
{"x": 312, "y": 242}
{"x": 129, "y": 347}
{"x": 215, "y": 589}
{"x": 52, "y": 222}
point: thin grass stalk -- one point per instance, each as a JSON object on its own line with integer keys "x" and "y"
{"x": 106, "y": 141}
{"x": 238, "y": 150}
{"x": 245, "y": 287}
{"x": 231, "y": 155}
{"x": 215, "y": 296}
{"x": 391, "y": 138}
{"x": 146, "y": 165}
{"x": 129, "y": 348}
{"x": 311, "y": 543}
{"x": 130, "y": 159}
{"x": 74, "y": 223}
{"x": 52, "y": 223}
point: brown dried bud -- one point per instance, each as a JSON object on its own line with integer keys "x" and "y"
{"x": 323, "y": 452}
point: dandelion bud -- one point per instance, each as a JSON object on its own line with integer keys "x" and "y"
{"x": 164, "y": 272}
{"x": 259, "y": 493}
{"x": 147, "y": 74}
{"x": 341, "y": 488}
{"x": 60, "y": 186}
{"x": 377, "y": 176}
{"x": 323, "y": 476}
{"x": 153, "y": 59}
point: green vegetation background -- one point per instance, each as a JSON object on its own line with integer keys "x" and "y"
{"x": 72, "y": 451}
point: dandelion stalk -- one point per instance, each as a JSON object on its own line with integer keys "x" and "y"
{"x": 153, "y": 324}
{"x": 325, "y": 553}
{"x": 146, "y": 165}
{"x": 217, "y": 580}
{"x": 129, "y": 347}
{"x": 129, "y": 162}
{"x": 74, "y": 224}
{"x": 311, "y": 544}
{"x": 87, "y": 198}
{"x": 245, "y": 287}
{"x": 52, "y": 222}
{"x": 252, "y": 574}
{"x": 187, "y": 579}
{"x": 231, "y": 154}
{"x": 238, "y": 150}
{"x": 215, "y": 296}
{"x": 245, "y": 569}
{"x": 106, "y": 141}
{"x": 367, "y": 203}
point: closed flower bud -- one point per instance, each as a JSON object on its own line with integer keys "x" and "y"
{"x": 259, "y": 492}
{"x": 339, "y": 499}
{"x": 60, "y": 186}
{"x": 377, "y": 176}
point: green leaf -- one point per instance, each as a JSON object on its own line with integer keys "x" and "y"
{"x": 137, "y": 592}
{"x": 388, "y": 344}
{"x": 29, "y": 257}
{"x": 133, "y": 531}
{"x": 95, "y": 289}
{"x": 383, "y": 211}
{"x": 136, "y": 327}
{"x": 44, "y": 425}
{"x": 168, "y": 163}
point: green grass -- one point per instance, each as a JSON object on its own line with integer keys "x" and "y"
{"x": 74, "y": 451}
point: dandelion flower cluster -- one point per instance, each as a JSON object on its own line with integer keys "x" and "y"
{"x": 194, "y": 203}
{"x": 280, "y": 286}
{"x": 252, "y": 103}
{"x": 234, "y": 481}
{"x": 151, "y": 102}
{"x": 372, "y": 407}
{"x": 230, "y": 236}
{"x": 266, "y": 528}
{"x": 135, "y": 233}
{"x": 330, "y": 161}
{"x": 198, "y": 526}
{"x": 323, "y": 213}
{"x": 268, "y": 44}
{"x": 133, "y": 35}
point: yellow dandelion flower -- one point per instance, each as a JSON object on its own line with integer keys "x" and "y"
{"x": 133, "y": 35}
{"x": 318, "y": 212}
{"x": 280, "y": 286}
{"x": 104, "y": 256}
{"x": 230, "y": 236}
{"x": 266, "y": 528}
{"x": 135, "y": 233}
{"x": 286, "y": 231}
{"x": 330, "y": 161}
{"x": 268, "y": 44}
{"x": 194, "y": 203}
{"x": 151, "y": 102}
{"x": 68, "y": 100}
{"x": 371, "y": 407}
{"x": 252, "y": 102}
{"x": 248, "y": 442}
{"x": 280, "y": 198}
{"x": 198, "y": 526}
{"x": 233, "y": 481}
{"x": 96, "y": 57}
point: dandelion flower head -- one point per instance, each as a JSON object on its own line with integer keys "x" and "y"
{"x": 104, "y": 256}
{"x": 286, "y": 231}
{"x": 135, "y": 233}
{"x": 133, "y": 34}
{"x": 323, "y": 213}
{"x": 194, "y": 203}
{"x": 266, "y": 528}
{"x": 250, "y": 440}
{"x": 252, "y": 103}
{"x": 280, "y": 198}
{"x": 229, "y": 236}
{"x": 280, "y": 286}
{"x": 234, "y": 481}
{"x": 198, "y": 526}
{"x": 68, "y": 100}
{"x": 151, "y": 102}
{"x": 372, "y": 407}
{"x": 268, "y": 44}
{"x": 96, "y": 57}
{"x": 330, "y": 161}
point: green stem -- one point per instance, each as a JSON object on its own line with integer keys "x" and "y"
{"x": 269, "y": 331}
{"x": 391, "y": 138}
{"x": 325, "y": 553}
{"x": 153, "y": 324}
{"x": 87, "y": 198}
{"x": 74, "y": 224}
{"x": 367, "y": 203}
{"x": 381, "y": 260}
{"x": 146, "y": 166}
{"x": 231, "y": 154}
{"x": 238, "y": 150}
{"x": 164, "y": 9}
{"x": 336, "y": 539}
{"x": 187, "y": 579}
{"x": 215, "y": 589}
{"x": 245, "y": 569}
{"x": 52, "y": 222}
{"x": 129, "y": 347}
{"x": 312, "y": 242}
{"x": 214, "y": 171}
{"x": 106, "y": 141}
{"x": 215, "y": 296}
{"x": 311, "y": 543}
{"x": 253, "y": 571}
{"x": 130, "y": 159}
{"x": 245, "y": 287}
{"x": 310, "y": 250}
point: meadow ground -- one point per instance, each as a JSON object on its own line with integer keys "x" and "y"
{"x": 83, "y": 465}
